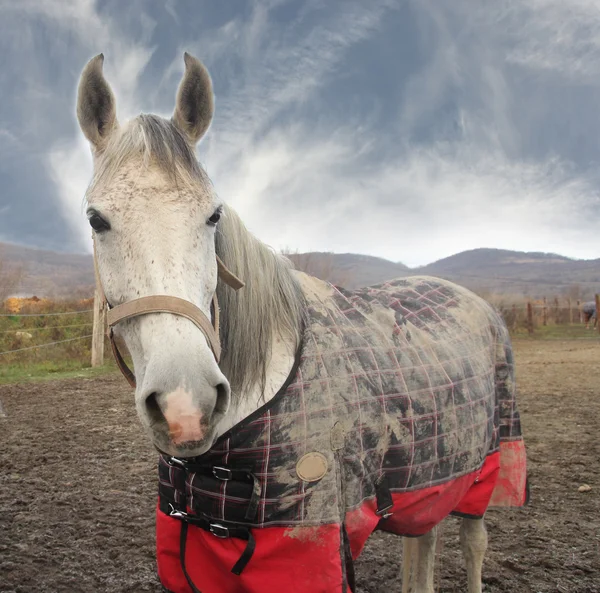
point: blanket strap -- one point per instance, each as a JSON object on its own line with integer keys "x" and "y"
{"x": 182, "y": 544}
{"x": 225, "y": 474}
{"x": 219, "y": 528}
{"x": 385, "y": 502}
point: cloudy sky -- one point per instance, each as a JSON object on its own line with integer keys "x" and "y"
{"x": 407, "y": 129}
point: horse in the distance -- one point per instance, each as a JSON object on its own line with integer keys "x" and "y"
{"x": 589, "y": 314}
{"x": 292, "y": 418}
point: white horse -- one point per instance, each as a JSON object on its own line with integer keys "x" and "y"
{"x": 158, "y": 228}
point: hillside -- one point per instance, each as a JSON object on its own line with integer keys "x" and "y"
{"x": 348, "y": 269}
{"x": 48, "y": 273}
{"x": 486, "y": 271}
{"x": 519, "y": 273}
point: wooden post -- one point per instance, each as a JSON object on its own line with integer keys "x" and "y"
{"x": 557, "y": 319}
{"x": 529, "y": 318}
{"x": 597, "y": 296}
{"x": 544, "y": 313}
{"x": 98, "y": 331}
{"x": 570, "y": 311}
{"x": 580, "y": 311}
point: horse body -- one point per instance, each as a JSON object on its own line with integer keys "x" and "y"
{"x": 402, "y": 398}
{"x": 328, "y": 414}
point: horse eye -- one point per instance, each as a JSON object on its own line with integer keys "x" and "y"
{"x": 98, "y": 223}
{"x": 215, "y": 218}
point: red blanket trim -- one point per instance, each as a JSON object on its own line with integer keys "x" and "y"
{"x": 310, "y": 559}
{"x": 300, "y": 560}
{"x": 511, "y": 489}
{"x": 417, "y": 512}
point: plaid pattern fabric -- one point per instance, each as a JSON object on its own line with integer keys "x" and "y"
{"x": 412, "y": 380}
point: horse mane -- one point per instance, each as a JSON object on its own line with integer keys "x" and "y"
{"x": 272, "y": 301}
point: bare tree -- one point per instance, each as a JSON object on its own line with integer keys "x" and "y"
{"x": 10, "y": 278}
{"x": 574, "y": 292}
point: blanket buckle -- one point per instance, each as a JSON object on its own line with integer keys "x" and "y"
{"x": 222, "y": 473}
{"x": 219, "y": 531}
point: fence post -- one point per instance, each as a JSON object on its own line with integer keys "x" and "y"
{"x": 529, "y": 318}
{"x": 544, "y": 313}
{"x": 98, "y": 330}
{"x": 580, "y": 311}
{"x": 570, "y": 311}
{"x": 597, "y": 296}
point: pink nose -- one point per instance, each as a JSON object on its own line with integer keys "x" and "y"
{"x": 185, "y": 429}
{"x": 183, "y": 418}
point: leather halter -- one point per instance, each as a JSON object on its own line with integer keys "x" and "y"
{"x": 164, "y": 304}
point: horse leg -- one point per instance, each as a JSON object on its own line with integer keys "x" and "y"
{"x": 473, "y": 541}
{"x": 419, "y": 553}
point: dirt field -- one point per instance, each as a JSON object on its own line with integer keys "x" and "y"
{"x": 78, "y": 488}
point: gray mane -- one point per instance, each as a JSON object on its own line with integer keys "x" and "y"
{"x": 272, "y": 301}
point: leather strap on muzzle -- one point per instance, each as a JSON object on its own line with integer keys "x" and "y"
{"x": 165, "y": 304}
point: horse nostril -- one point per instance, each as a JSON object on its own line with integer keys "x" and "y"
{"x": 154, "y": 412}
{"x": 222, "y": 404}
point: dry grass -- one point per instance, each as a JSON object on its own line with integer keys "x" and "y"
{"x": 24, "y": 335}
{"x": 37, "y": 322}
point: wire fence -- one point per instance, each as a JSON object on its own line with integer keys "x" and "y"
{"x": 46, "y": 328}
{"x": 42, "y": 336}
{"x": 44, "y": 345}
{"x": 46, "y": 314}
{"x": 530, "y": 317}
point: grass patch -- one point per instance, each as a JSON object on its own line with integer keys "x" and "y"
{"x": 47, "y": 371}
{"x": 71, "y": 324}
{"x": 47, "y": 340}
{"x": 575, "y": 331}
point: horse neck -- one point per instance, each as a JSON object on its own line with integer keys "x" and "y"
{"x": 264, "y": 318}
{"x": 278, "y": 370}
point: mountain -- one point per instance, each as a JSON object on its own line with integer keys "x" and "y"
{"x": 487, "y": 271}
{"x": 48, "y": 273}
{"x": 519, "y": 273}
{"x": 348, "y": 269}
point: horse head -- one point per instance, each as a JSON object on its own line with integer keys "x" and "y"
{"x": 154, "y": 216}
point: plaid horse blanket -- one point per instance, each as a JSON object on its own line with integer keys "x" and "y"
{"x": 399, "y": 411}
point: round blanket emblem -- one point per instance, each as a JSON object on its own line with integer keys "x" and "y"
{"x": 311, "y": 467}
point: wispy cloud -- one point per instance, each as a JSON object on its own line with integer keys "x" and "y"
{"x": 312, "y": 187}
{"x": 407, "y": 130}
{"x": 306, "y": 191}
{"x": 554, "y": 35}
{"x": 67, "y": 159}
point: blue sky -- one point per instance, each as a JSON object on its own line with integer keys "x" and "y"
{"x": 407, "y": 129}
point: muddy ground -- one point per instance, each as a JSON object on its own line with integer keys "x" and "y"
{"x": 78, "y": 489}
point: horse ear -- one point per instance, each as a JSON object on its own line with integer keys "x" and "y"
{"x": 96, "y": 110}
{"x": 195, "y": 105}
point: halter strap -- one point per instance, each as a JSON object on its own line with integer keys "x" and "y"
{"x": 165, "y": 304}
{"x": 169, "y": 304}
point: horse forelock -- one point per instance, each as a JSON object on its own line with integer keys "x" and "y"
{"x": 155, "y": 141}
